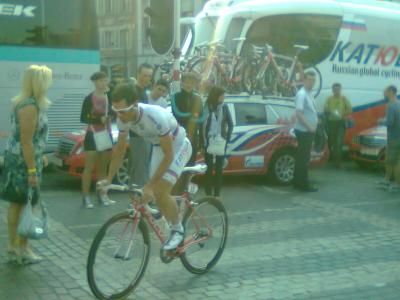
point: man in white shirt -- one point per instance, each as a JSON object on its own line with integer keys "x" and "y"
{"x": 171, "y": 152}
{"x": 156, "y": 96}
{"x": 305, "y": 128}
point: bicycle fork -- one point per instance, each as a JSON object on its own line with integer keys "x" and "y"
{"x": 127, "y": 255}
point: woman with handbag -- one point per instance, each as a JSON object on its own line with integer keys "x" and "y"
{"x": 98, "y": 138}
{"x": 217, "y": 133}
{"x": 23, "y": 159}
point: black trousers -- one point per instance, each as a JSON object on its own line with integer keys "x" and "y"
{"x": 304, "y": 144}
{"x": 336, "y": 131}
{"x": 214, "y": 174}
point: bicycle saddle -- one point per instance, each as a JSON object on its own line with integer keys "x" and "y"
{"x": 197, "y": 169}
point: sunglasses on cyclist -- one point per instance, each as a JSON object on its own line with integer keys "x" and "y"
{"x": 123, "y": 110}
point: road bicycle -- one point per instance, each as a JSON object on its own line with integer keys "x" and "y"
{"x": 272, "y": 74}
{"x": 164, "y": 70}
{"x": 120, "y": 251}
{"x": 221, "y": 67}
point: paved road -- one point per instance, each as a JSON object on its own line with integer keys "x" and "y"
{"x": 340, "y": 243}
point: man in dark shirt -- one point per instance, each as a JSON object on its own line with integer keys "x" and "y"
{"x": 187, "y": 108}
{"x": 139, "y": 154}
{"x": 393, "y": 138}
{"x": 145, "y": 74}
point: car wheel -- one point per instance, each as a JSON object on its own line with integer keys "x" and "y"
{"x": 282, "y": 167}
{"x": 122, "y": 176}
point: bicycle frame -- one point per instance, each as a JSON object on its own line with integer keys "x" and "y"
{"x": 142, "y": 212}
{"x": 269, "y": 58}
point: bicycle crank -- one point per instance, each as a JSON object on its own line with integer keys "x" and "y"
{"x": 168, "y": 256}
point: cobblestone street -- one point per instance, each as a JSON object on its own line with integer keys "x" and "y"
{"x": 340, "y": 243}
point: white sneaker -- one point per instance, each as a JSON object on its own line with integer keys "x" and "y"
{"x": 175, "y": 238}
{"x": 105, "y": 200}
{"x": 87, "y": 203}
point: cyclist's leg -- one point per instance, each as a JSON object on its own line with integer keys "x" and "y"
{"x": 165, "y": 202}
{"x": 163, "y": 188}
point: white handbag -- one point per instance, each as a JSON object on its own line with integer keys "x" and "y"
{"x": 102, "y": 139}
{"x": 216, "y": 145}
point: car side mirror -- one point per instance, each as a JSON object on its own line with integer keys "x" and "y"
{"x": 382, "y": 122}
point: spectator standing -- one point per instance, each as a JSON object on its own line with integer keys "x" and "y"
{"x": 95, "y": 113}
{"x": 305, "y": 128}
{"x": 337, "y": 110}
{"x": 156, "y": 96}
{"x": 187, "y": 108}
{"x": 393, "y": 139}
{"x": 139, "y": 149}
{"x": 24, "y": 158}
{"x": 218, "y": 125}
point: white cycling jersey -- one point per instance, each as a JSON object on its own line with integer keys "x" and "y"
{"x": 153, "y": 123}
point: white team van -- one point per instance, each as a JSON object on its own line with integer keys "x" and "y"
{"x": 355, "y": 43}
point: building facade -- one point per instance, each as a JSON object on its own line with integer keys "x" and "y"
{"x": 122, "y": 34}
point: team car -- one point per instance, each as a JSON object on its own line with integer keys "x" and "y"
{"x": 368, "y": 147}
{"x": 262, "y": 142}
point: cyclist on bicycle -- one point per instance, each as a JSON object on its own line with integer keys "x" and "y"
{"x": 171, "y": 152}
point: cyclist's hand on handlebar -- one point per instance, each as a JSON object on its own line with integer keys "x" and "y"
{"x": 148, "y": 193}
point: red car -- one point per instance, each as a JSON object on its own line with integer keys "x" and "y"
{"x": 262, "y": 142}
{"x": 368, "y": 147}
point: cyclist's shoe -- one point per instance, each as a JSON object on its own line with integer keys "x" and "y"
{"x": 105, "y": 200}
{"x": 87, "y": 203}
{"x": 174, "y": 240}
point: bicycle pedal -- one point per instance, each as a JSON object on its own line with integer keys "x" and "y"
{"x": 171, "y": 253}
{"x": 122, "y": 257}
{"x": 118, "y": 256}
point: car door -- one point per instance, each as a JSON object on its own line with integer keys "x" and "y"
{"x": 247, "y": 145}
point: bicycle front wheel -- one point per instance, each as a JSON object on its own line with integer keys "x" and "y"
{"x": 118, "y": 257}
{"x": 206, "y": 231}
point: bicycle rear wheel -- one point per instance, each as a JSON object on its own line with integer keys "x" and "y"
{"x": 118, "y": 257}
{"x": 206, "y": 231}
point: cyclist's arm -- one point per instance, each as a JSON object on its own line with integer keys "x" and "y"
{"x": 167, "y": 148}
{"x": 118, "y": 155}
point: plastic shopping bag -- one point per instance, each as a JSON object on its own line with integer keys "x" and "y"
{"x": 30, "y": 225}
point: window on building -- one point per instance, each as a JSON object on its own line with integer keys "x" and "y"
{"x": 123, "y": 37}
{"x": 124, "y": 5}
{"x": 75, "y": 27}
{"x": 108, "y": 42}
{"x": 116, "y": 7}
{"x": 107, "y": 6}
{"x": 250, "y": 114}
{"x": 282, "y": 32}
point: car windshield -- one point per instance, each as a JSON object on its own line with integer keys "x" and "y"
{"x": 204, "y": 30}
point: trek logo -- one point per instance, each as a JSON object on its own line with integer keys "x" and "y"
{"x": 17, "y": 10}
{"x": 366, "y": 53}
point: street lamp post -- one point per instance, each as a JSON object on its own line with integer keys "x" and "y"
{"x": 177, "y": 48}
